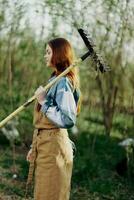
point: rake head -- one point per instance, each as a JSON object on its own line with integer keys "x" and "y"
{"x": 100, "y": 64}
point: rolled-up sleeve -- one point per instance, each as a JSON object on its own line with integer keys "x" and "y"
{"x": 62, "y": 109}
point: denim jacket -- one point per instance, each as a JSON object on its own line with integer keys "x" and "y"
{"x": 60, "y": 105}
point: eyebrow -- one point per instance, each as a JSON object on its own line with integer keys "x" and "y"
{"x": 47, "y": 50}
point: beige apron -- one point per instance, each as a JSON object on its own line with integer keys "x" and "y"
{"x": 52, "y": 160}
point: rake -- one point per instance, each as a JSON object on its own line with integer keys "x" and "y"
{"x": 99, "y": 66}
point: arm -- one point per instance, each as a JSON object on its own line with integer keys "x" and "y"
{"x": 63, "y": 111}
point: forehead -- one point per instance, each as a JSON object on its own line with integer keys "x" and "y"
{"x": 48, "y": 47}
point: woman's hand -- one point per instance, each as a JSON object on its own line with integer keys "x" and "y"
{"x": 29, "y": 155}
{"x": 40, "y": 95}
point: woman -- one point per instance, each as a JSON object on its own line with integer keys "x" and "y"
{"x": 55, "y": 111}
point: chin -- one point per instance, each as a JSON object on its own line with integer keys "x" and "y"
{"x": 48, "y": 64}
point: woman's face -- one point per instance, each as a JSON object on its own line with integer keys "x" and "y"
{"x": 48, "y": 55}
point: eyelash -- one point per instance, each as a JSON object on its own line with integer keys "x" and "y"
{"x": 48, "y": 52}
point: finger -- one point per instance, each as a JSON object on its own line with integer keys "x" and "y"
{"x": 29, "y": 159}
{"x": 42, "y": 88}
{"x": 39, "y": 91}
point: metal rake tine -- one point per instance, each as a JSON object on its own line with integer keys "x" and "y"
{"x": 92, "y": 49}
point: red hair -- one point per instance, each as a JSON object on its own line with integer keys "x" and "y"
{"x": 62, "y": 58}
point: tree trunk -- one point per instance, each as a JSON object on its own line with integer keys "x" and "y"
{"x": 108, "y": 104}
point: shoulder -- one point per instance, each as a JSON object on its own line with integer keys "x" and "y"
{"x": 51, "y": 78}
{"x": 64, "y": 82}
